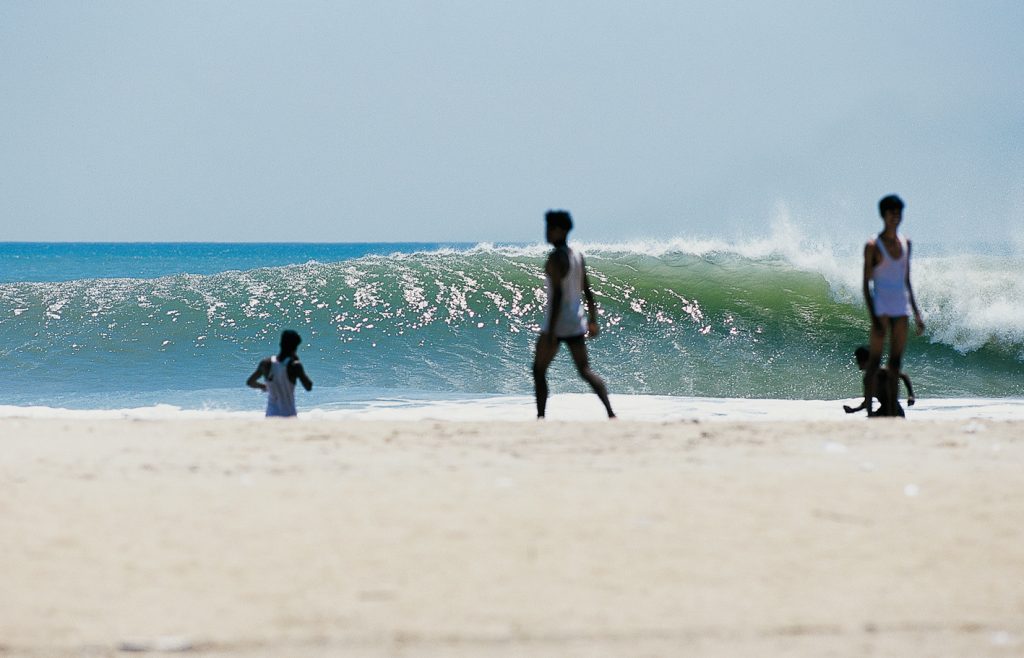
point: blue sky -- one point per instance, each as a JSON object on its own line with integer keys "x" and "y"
{"x": 465, "y": 120}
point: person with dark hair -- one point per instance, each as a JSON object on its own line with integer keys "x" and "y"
{"x": 881, "y": 390}
{"x": 281, "y": 372}
{"x": 889, "y": 298}
{"x": 564, "y": 319}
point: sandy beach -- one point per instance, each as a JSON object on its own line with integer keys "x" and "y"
{"x": 311, "y": 538}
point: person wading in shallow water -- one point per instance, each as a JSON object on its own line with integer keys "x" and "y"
{"x": 280, "y": 373}
{"x": 564, "y": 319}
{"x": 889, "y": 297}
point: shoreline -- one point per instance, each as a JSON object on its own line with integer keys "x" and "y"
{"x": 564, "y": 406}
{"x": 438, "y": 539}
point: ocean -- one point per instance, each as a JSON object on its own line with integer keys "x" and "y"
{"x": 691, "y": 328}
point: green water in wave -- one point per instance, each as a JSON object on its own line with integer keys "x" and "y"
{"x": 677, "y": 324}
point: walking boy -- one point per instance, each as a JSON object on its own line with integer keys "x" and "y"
{"x": 564, "y": 320}
{"x": 281, "y": 372}
{"x": 889, "y": 297}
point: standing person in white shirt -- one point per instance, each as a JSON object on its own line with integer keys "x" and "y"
{"x": 889, "y": 297}
{"x": 564, "y": 320}
{"x": 280, "y": 373}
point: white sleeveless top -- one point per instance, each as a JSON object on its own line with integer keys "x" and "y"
{"x": 890, "y": 282}
{"x": 571, "y": 317}
{"x": 280, "y": 389}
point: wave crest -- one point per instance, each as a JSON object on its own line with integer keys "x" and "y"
{"x": 767, "y": 318}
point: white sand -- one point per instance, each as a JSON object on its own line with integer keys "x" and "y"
{"x": 294, "y": 539}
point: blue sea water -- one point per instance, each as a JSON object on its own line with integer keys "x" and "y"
{"x": 68, "y": 261}
{"x": 117, "y": 326}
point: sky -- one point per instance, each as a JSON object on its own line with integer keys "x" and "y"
{"x": 464, "y": 120}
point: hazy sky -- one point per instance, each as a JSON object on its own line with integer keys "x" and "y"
{"x": 466, "y": 119}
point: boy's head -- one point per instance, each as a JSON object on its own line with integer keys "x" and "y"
{"x": 891, "y": 203}
{"x": 558, "y": 224}
{"x": 290, "y": 340}
{"x": 862, "y": 354}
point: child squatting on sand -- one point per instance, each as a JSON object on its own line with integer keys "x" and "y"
{"x": 281, "y": 372}
{"x": 881, "y": 388}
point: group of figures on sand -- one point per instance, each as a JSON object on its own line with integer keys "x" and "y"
{"x": 571, "y": 315}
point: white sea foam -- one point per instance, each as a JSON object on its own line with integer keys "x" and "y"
{"x": 967, "y": 300}
{"x": 970, "y": 302}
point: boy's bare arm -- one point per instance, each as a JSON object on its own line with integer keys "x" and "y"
{"x": 300, "y": 374}
{"x": 592, "y": 327}
{"x": 254, "y": 378}
{"x": 918, "y": 322}
{"x": 869, "y": 271}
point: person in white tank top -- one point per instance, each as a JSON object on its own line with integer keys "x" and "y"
{"x": 889, "y": 297}
{"x": 564, "y": 320}
{"x": 280, "y": 373}
{"x": 570, "y": 319}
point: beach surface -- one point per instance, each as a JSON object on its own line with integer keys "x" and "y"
{"x": 320, "y": 538}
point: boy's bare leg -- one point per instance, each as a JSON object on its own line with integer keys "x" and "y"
{"x": 542, "y": 358}
{"x": 897, "y": 343}
{"x": 875, "y": 342}
{"x": 582, "y": 361}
